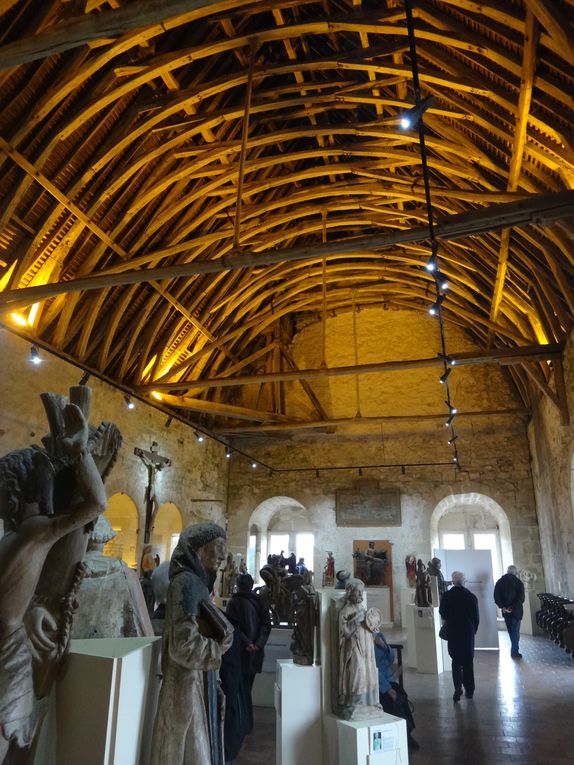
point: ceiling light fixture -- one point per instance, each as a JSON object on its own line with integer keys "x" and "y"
{"x": 444, "y": 377}
{"x": 412, "y": 116}
{"x": 129, "y": 403}
{"x": 35, "y": 357}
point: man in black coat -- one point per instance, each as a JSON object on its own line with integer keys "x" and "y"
{"x": 246, "y": 610}
{"x": 459, "y": 608}
{"x": 509, "y": 597}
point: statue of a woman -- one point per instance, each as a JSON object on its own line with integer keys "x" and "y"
{"x": 358, "y": 686}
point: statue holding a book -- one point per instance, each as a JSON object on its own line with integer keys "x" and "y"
{"x": 189, "y": 721}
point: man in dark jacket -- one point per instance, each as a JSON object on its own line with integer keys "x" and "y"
{"x": 509, "y": 597}
{"x": 249, "y": 613}
{"x": 459, "y": 608}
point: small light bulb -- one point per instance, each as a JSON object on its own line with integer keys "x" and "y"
{"x": 405, "y": 123}
{"x": 253, "y": 465}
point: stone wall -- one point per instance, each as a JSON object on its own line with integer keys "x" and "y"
{"x": 197, "y": 480}
{"x": 552, "y": 446}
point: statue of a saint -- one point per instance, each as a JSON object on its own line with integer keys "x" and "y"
{"x": 189, "y": 718}
{"x": 422, "y": 593}
{"x": 411, "y": 567}
{"x": 433, "y": 569}
{"x": 48, "y": 498}
{"x": 329, "y": 571}
{"x": 111, "y": 598}
{"x": 356, "y": 695}
{"x": 228, "y": 577}
{"x": 304, "y": 616}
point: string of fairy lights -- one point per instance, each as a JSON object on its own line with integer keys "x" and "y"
{"x": 415, "y": 116}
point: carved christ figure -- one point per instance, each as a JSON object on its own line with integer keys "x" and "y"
{"x": 23, "y": 552}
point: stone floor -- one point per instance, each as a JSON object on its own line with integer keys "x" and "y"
{"x": 521, "y": 713}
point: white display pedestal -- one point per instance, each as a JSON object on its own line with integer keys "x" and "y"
{"x": 326, "y": 596}
{"x": 428, "y": 643}
{"x": 407, "y": 599}
{"x": 528, "y": 624}
{"x": 106, "y": 702}
{"x": 379, "y": 741}
{"x": 298, "y": 707}
{"x": 276, "y": 648}
{"x": 410, "y": 613}
{"x": 380, "y": 597}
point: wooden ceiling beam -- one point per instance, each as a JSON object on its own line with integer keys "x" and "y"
{"x": 540, "y": 209}
{"x": 221, "y": 410}
{"x": 557, "y": 25}
{"x": 503, "y": 356}
{"x": 237, "y": 430}
{"x": 517, "y": 154}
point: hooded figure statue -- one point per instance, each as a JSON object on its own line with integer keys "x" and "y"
{"x": 188, "y": 726}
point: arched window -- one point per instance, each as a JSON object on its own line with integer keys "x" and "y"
{"x": 122, "y": 513}
{"x": 166, "y": 530}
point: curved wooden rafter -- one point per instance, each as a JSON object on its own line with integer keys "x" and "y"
{"x": 120, "y": 152}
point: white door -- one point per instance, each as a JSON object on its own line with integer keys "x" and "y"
{"x": 477, "y": 568}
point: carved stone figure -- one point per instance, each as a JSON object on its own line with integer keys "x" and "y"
{"x": 275, "y": 594}
{"x": 527, "y": 578}
{"x": 228, "y": 577}
{"x": 304, "y": 619}
{"x": 356, "y": 686}
{"x": 423, "y": 593}
{"x": 243, "y": 566}
{"x": 434, "y": 569}
{"x": 411, "y": 567}
{"x": 48, "y": 498}
{"x": 342, "y": 576}
{"x": 111, "y": 598}
{"x": 160, "y": 586}
{"x": 329, "y": 571}
{"x": 188, "y": 725}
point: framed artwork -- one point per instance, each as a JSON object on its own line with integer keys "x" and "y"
{"x": 373, "y": 562}
{"x": 368, "y": 505}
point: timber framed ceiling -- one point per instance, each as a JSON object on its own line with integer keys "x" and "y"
{"x": 179, "y": 179}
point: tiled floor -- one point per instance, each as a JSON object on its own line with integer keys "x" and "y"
{"x": 522, "y": 712}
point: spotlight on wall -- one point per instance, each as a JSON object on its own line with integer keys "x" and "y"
{"x": 200, "y": 437}
{"x": 448, "y": 423}
{"x": 168, "y": 422}
{"x": 35, "y": 357}
{"x": 452, "y": 439}
{"x": 412, "y": 116}
{"x": 129, "y": 403}
{"x": 452, "y": 409}
{"x": 432, "y": 264}
{"x": 253, "y": 465}
{"x": 228, "y": 453}
{"x": 444, "y": 377}
{"x": 84, "y": 378}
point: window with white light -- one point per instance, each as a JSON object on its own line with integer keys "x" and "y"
{"x": 453, "y": 541}
{"x": 304, "y": 545}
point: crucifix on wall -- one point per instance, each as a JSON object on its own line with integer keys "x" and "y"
{"x": 154, "y": 462}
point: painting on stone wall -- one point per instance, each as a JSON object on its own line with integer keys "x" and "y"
{"x": 373, "y": 562}
{"x": 368, "y": 504}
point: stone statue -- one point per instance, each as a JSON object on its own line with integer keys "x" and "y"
{"x": 527, "y": 578}
{"x": 342, "y": 576}
{"x": 411, "y": 567}
{"x": 275, "y": 594}
{"x": 48, "y": 498}
{"x": 111, "y": 599}
{"x": 303, "y": 618}
{"x": 160, "y": 586}
{"x": 423, "y": 593}
{"x": 433, "y": 569}
{"x": 329, "y": 571}
{"x": 228, "y": 577}
{"x": 355, "y": 686}
{"x": 243, "y": 566}
{"x": 188, "y": 725}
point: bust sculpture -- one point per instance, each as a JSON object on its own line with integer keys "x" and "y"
{"x": 356, "y": 687}
{"x": 189, "y": 718}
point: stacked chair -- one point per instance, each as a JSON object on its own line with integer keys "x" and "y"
{"x": 556, "y": 618}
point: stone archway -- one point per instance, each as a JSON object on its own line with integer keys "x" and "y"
{"x": 477, "y": 503}
{"x": 273, "y": 509}
{"x": 167, "y": 527}
{"x": 123, "y": 515}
